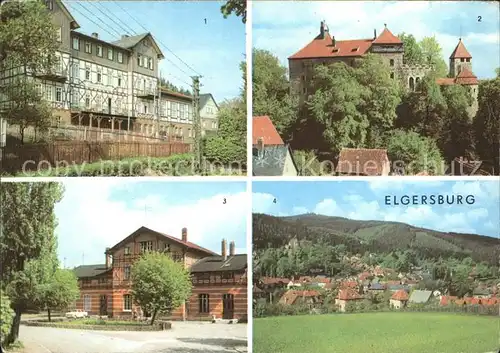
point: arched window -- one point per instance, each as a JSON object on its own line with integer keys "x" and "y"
{"x": 417, "y": 83}
{"x": 412, "y": 84}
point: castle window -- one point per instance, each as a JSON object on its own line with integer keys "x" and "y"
{"x": 392, "y": 74}
{"x": 412, "y": 84}
{"x": 468, "y": 60}
{"x": 462, "y": 60}
{"x": 204, "y": 303}
{"x": 391, "y": 62}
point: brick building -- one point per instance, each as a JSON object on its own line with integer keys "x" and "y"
{"x": 219, "y": 281}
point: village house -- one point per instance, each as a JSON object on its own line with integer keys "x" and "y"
{"x": 345, "y": 296}
{"x": 363, "y": 161}
{"x": 270, "y": 155}
{"x": 300, "y": 297}
{"x": 399, "y": 299}
{"x": 219, "y": 281}
{"x": 420, "y": 296}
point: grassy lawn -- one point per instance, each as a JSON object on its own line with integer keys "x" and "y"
{"x": 101, "y": 322}
{"x": 377, "y": 333}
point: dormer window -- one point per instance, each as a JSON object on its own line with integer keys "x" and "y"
{"x": 354, "y": 49}
{"x": 336, "y": 50}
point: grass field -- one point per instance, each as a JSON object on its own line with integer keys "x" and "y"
{"x": 377, "y": 333}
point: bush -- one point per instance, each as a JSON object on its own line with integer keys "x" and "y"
{"x": 6, "y": 316}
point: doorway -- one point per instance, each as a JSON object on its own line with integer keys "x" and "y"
{"x": 103, "y": 305}
{"x": 228, "y": 306}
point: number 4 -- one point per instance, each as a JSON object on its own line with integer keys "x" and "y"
{"x": 274, "y": 201}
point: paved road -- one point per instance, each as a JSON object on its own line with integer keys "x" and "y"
{"x": 184, "y": 337}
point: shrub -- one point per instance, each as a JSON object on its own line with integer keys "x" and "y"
{"x": 6, "y": 316}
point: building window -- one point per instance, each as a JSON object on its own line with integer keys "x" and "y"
{"x": 58, "y": 94}
{"x": 392, "y": 74}
{"x": 99, "y": 76}
{"x": 127, "y": 302}
{"x": 468, "y": 60}
{"x": 48, "y": 93}
{"x": 38, "y": 89}
{"x": 87, "y": 101}
{"x": 76, "y": 70}
{"x": 391, "y": 62}
{"x": 87, "y": 302}
{"x": 59, "y": 34}
{"x": 76, "y": 43}
{"x": 126, "y": 250}
{"x": 204, "y": 303}
{"x": 462, "y": 60}
{"x": 139, "y": 60}
{"x": 150, "y": 63}
{"x": 87, "y": 73}
{"x": 120, "y": 57}
{"x": 119, "y": 81}
{"x": 146, "y": 246}
{"x": 88, "y": 47}
{"x": 145, "y": 109}
{"x": 98, "y": 50}
{"x": 110, "y": 78}
{"x": 110, "y": 54}
{"x": 126, "y": 272}
{"x": 49, "y": 4}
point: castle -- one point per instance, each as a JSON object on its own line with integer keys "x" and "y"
{"x": 326, "y": 49}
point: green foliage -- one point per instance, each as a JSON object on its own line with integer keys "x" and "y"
{"x": 355, "y": 105}
{"x": 413, "y": 153}
{"x": 59, "y": 292}
{"x": 487, "y": 122}
{"x": 413, "y": 52}
{"x": 307, "y": 163}
{"x": 159, "y": 284}
{"x": 238, "y": 7}
{"x": 432, "y": 55}
{"x": 6, "y": 316}
{"x": 229, "y": 145}
{"x": 170, "y": 86}
{"x": 271, "y": 91}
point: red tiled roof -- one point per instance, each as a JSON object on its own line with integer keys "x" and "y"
{"x": 324, "y": 48}
{"x": 291, "y": 296}
{"x": 348, "y": 294}
{"x": 466, "y": 77}
{"x": 386, "y": 37}
{"x": 460, "y": 51}
{"x": 445, "y": 81}
{"x": 400, "y": 295}
{"x": 445, "y": 300}
{"x": 262, "y": 127}
{"x": 349, "y": 284}
{"x": 364, "y": 276}
{"x": 362, "y": 161}
{"x": 274, "y": 280}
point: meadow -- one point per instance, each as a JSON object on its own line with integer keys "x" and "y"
{"x": 377, "y": 333}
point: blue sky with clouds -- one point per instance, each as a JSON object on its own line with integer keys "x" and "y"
{"x": 286, "y": 28}
{"x": 365, "y": 200}
{"x": 214, "y": 49}
{"x": 94, "y": 215}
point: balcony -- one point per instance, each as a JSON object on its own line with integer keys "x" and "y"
{"x": 146, "y": 93}
{"x": 57, "y": 74}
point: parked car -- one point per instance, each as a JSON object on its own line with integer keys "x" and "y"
{"x": 76, "y": 314}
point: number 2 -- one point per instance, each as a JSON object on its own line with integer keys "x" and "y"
{"x": 479, "y": 18}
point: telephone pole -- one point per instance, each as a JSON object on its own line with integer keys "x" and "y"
{"x": 197, "y": 123}
{"x": 158, "y": 107}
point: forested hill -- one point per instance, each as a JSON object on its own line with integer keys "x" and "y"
{"x": 372, "y": 236}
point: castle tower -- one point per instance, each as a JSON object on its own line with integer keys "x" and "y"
{"x": 460, "y": 59}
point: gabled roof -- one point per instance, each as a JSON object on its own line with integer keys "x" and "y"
{"x": 271, "y": 160}
{"x": 460, "y": 51}
{"x": 420, "y": 296}
{"x": 64, "y": 9}
{"x": 218, "y": 264}
{"x": 466, "y": 77}
{"x": 324, "y": 48}
{"x": 169, "y": 92}
{"x": 348, "y": 294}
{"x": 263, "y": 127}
{"x": 90, "y": 270}
{"x": 291, "y": 296}
{"x": 386, "y": 37}
{"x": 128, "y": 42}
{"x": 400, "y": 295}
{"x": 362, "y": 161}
{"x": 205, "y": 97}
{"x": 188, "y": 245}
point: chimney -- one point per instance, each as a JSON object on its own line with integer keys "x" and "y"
{"x": 232, "y": 249}
{"x": 184, "y": 234}
{"x": 334, "y": 42}
{"x": 224, "y": 249}
{"x": 108, "y": 258}
{"x": 95, "y": 35}
{"x": 260, "y": 144}
{"x": 374, "y": 34}
{"x": 322, "y": 30}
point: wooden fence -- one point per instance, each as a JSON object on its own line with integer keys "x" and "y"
{"x": 27, "y": 157}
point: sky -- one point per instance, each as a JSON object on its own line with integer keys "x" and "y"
{"x": 284, "y": 29}
{"x": 95, "y": 215}
{"x": 195, "y": 31}
{"x": 366, "y": 200}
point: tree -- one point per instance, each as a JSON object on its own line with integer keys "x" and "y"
{"x": 60, "y": 292}
{"x": 271, "y": 91}
{"x": 413, "y": 52}
{"x": 229, "y": 144}
{"x": 26, "y": 50}
{"x": 159, "y": 284}
{"x": 355, "y": 105}
{"x": 414, "y": 153}
{"x": 28, "y": 224}
{"x": 170, "y": 86}
{"x": 432, "y": 54}
{"x": 6, "y": 316}
{"x": 238, "y": 7}
{"x": 487, "y": 122}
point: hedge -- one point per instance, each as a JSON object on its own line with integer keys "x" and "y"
{"x": 158, "y": 326}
